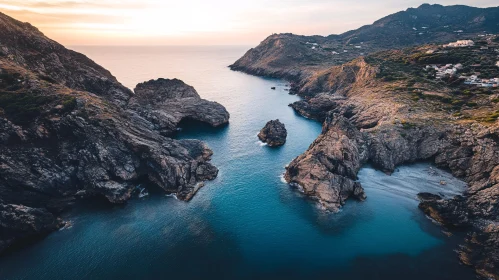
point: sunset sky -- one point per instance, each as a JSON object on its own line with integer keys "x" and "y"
{"x": 200, "y": 22}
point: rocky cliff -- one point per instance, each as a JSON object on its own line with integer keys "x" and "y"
{"x": 381, "y": 107}
{"x": 386, "y": 122}
{"x": 69, "y": 130}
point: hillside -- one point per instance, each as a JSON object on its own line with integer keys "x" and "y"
{"x": 292, "y": 56}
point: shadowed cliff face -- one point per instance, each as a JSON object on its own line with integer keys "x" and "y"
{"x": 69, "y": 130}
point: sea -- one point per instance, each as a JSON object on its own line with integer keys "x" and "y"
{"x": 248, "y": 223}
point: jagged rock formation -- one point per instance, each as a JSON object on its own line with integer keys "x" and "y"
{"x": 328, "y": 170}
{"x": 274, "y": 134}
{"x": 69, "y": 130}
{"x": 167, "y": 102}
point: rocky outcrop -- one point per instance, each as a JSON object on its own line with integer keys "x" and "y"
{"x": 69, "y": 130}
{"x": 328, "y": 170}
{"x": 274, "y": 134}
{"x": 18, "y": 222}
{"x": 166, "y": 103}
{"x": 317, "y": 108}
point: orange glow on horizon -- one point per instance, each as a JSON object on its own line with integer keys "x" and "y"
{"x": 197, "y": 22}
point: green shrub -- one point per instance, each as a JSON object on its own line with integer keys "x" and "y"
{"x": 23, "y": 107}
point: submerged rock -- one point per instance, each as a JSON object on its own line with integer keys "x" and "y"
{"x": 274, "y": 134}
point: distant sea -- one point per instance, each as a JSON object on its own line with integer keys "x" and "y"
{"x": 247, "y": 224}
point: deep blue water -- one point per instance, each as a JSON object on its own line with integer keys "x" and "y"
{"x": 247, "y": 224}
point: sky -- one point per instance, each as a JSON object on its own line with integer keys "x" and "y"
{"x": 201, "y": 22}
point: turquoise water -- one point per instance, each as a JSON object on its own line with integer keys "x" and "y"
{"x": 247, "y": 224}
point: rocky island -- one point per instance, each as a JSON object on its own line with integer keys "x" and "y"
{"x": 274, "y": 134}
{"x": 384, "y": 107}
{"x": 69, "y": 130}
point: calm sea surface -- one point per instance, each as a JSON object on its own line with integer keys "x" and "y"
{"x": 247, "y": 224}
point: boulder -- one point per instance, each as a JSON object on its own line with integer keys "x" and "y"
{"x": 274, "y": 134}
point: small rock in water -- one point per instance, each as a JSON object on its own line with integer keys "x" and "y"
{"x": 443, "y": 183}
{"x": 274, "y": 134}
{"x": 272, "y": 88}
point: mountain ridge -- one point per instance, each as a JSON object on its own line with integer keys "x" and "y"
{"x": 295, "y": 56}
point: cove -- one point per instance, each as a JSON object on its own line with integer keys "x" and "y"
{"x": 247, "y": 224}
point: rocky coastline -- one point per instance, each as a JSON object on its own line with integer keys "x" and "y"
{"x": 393, "y": 131}
{"x": 69, "y": 130}
{"x": 369, "y": 119}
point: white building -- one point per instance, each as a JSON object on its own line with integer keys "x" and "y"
{"x": 460, "y": 44}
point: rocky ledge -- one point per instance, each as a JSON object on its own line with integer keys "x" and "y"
{"x": 166, "y": 103}
{"x": 274, "y": 134}
{"x": 69, "y": 130}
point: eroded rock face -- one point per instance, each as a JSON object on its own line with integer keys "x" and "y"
{"x": 274, "y": 134}
{"x": 328, "y": 170}
{"x": 69, "y": 130}
{"x": 166, "y": 103}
